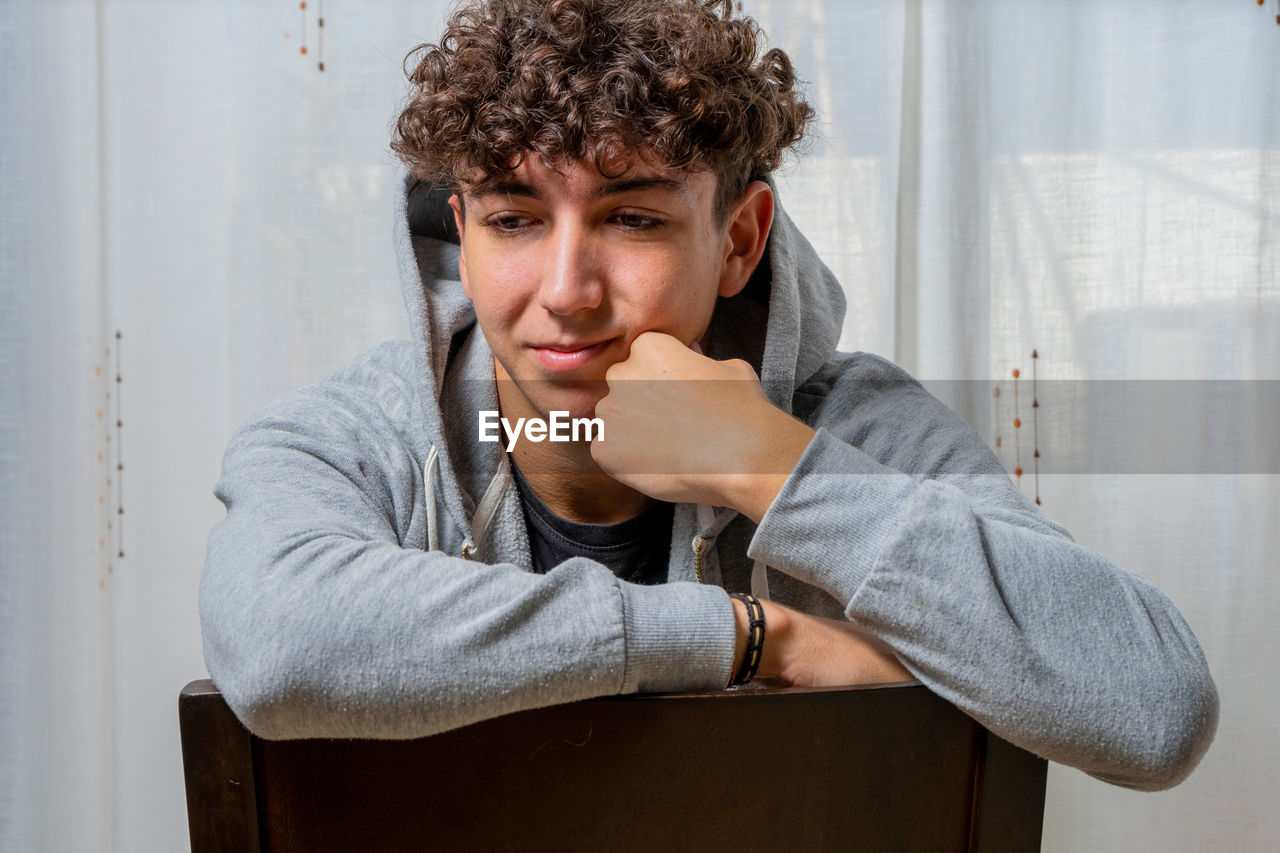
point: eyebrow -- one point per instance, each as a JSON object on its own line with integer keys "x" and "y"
{"x": 619, "y": 187}
{"x": 611, "y": 188}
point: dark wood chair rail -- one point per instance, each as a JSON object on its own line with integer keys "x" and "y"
{"x": 881, "y": 768}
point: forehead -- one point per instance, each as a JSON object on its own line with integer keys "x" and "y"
{"x": 581, "y": 181}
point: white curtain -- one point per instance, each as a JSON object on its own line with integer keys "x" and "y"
{"x": 195, "y": 219}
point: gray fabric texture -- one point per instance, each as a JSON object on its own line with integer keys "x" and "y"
{"x": 326, "y": 615}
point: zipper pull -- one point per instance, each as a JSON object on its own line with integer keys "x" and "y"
{"x": 699, "y": 545}
{"x": 468, "y": 549}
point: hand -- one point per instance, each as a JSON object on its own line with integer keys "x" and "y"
{"x": 711, "y": 436}
{"x": 809, "y": 651}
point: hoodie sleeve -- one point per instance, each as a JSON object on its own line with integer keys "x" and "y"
{"x": 318, "y": 621}
{"x": 900, "y": 511}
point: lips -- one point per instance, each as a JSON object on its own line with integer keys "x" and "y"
{"x": 563, "y": 356}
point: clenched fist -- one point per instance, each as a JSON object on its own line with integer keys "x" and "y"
{"x": 684, "y": 427}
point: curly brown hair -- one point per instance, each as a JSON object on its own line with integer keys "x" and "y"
{"x": 678, "y": 81}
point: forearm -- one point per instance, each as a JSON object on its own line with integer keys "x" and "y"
{"x": 998, "y": 611}
{"x": 322, "y": 619}
{"x": 770, "y": 445}
{"x": 359, "y": 639}
{"x": 808, "y": 651}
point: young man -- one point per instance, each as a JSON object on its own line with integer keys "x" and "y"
{"x": 403, "y": 553}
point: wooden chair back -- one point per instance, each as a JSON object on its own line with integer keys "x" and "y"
{"x": 883, "y": 768}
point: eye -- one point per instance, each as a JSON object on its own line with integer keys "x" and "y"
{"x": 508, "y": 223}
{"x": 636, "y": 221}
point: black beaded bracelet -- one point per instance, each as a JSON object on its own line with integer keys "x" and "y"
{"x": 755, "y": 639}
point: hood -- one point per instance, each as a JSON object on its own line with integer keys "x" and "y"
{"x": 786, "y": 323}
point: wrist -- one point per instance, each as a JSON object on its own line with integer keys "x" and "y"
{"x": 769, "y": 453}
{"x": 741, "y": 627}
{"x": 777, "y": 620}
{"x": 773, "y": 661}
{"x": 750, "y": 662}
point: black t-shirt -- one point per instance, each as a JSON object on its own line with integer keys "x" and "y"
{"x": 636, "y": 549}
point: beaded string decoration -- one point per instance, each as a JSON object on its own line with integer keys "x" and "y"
{"x": 1017, "y": 425}
{"x": 119, "y": 450}
{"x": 998, "y": 420}
{"x": 302, "y": 5}
{"x": 111, "y": 460}
{"x": 320, "y": 35}
{"x": 302, "y": 47}
{"x": 1035, "y": 423}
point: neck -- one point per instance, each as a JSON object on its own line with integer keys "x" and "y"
{"x": 563, "y": 474}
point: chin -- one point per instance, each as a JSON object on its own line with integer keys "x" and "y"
{"x": 579, "y": 400}
{"x": 577, "y": 397}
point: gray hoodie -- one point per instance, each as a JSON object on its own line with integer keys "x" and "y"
{"x": 373, "y": 576}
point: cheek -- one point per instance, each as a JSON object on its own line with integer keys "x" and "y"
{"x": 697, "y": 281}
{"x": 678, "y": 298}
{"x": 497, "y": 289}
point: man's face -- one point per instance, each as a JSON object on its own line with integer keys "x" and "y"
{"x": 567, "y": 267}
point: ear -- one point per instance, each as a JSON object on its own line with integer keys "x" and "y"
{"x": 456, "y": 203}
{"x": 746, "y": 234}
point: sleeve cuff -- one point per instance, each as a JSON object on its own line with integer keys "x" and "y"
{"x": 679, "y": 637}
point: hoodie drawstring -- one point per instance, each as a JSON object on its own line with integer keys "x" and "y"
{"x": 488, "y": 506}
{"x": 429, "y": 480}
{"x": 760, "y": 580}
{"x": 759, "y": 572}
{"x": 484, "y": 512}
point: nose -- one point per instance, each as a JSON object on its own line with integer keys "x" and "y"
{"x": 572, "y": 279}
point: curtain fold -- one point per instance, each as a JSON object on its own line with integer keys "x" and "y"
{"x": 57, "y": 682}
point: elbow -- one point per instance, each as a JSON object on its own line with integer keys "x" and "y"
{"x": 277, "y": 693}
{"x": 1177, "y": 728}
{"x": 255, "y": 709}
{"x": 1189, "y": 729}
{"x": 245, "y": 680}
{"x": 249, "y": 666}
